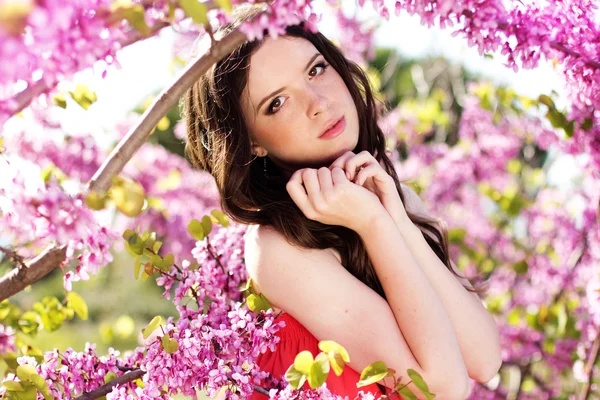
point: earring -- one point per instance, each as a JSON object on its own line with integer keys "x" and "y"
{"x": 265, "y": 165}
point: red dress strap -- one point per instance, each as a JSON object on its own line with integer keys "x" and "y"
{"x": 294, "y": 338}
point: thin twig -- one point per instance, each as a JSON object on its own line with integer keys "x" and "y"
{"x": 14, "y": 256}
{"x": 137, "y": 136}
{"x": 589, "y": 368}
{"x": 34, "y": 270}
{"x": 106, "y": 389}
{"x": 26, "y": 96}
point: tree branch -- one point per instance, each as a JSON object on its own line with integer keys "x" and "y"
{"x": 106, "y": 389}
{"x": 589, "y": 368}
{"x": 134, "y": 139}
{"x": 34, "y": 270}
{"x": 26, "y": 96}
{"x": 129, "y": 377}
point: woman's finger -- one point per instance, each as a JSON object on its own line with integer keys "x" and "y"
{"x": 310, "y": 179}
{"x": 359, "y": 161}
{"x": 341, "y": 161}
{"x": 338, "y": 176}
{"x": 298, "y": 193}
{"x": 371, "y": 171}
{"x": 325, "y": 179}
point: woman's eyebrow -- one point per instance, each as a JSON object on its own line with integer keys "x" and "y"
{"x": 283, "y": 88}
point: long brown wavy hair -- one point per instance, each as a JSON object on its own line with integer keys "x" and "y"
{"x": 218, "y": 142}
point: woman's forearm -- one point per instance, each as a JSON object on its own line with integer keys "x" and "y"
{"x": 474, "y": 326}
{"x": 420, "y": 315}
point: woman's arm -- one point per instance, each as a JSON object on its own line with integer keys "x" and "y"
{"x": 410, "y": 330}
{"x": 417, "y": 308}
{"x": 475, "y": 327}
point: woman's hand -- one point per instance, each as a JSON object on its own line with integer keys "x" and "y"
{"x": 327, "y": 196}
{"x": 364, "y": 170}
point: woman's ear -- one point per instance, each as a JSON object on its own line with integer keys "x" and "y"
{"x": 259, "y": 151}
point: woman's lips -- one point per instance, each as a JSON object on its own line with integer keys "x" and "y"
{"x": 335, "y": 130}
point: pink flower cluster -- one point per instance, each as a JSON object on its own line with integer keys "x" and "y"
{"x": 185, "y": 193}
{"x": 559, "y": 245}
{"x": 7, "y": 339}
{"x": 47, "y": 214}
{"x": 57, "y": 39}
{"x": 566, "y": 31}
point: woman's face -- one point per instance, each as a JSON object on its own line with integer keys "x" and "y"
{"x": 297, "y": 107}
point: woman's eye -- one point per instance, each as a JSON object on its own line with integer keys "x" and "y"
{"x": 276, "y": 105}
{"x": 318, "y": 69}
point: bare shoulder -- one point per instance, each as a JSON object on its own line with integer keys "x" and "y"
{"x": 315, "y": 288}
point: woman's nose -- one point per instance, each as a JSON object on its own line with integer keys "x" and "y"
{"x": 317, "y": 103}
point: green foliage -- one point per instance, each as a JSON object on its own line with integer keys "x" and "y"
{"x": 306, "y": 368}
{"x": 155, "y": 323}
{"x": 372, "y": 373}
{"x": 168, "y": 344}
{"x": 48, "y": 314}
{"x": 129, "y": 196}
{"x": 337, "y": 355}
{"x": 83, "y": 96}
{"x": 30, "y": 383}
{"x": 195, "y": 10}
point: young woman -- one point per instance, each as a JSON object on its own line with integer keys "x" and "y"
{"x": 288, "y": 128}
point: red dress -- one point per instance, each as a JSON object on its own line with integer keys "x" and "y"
{"x": 294, "y": 339}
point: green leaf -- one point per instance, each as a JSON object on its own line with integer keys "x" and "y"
{"x": 128, "y": 234}
{"x": 556, "y": 118}
{"x": 137, "y": 267}
{"x": 156, "y": 321}
{"x": 206, "y": 225}
{"x": 29, "y": 393}
{"x": 78, "y": 305}
{"x": 96, "y": 201}
{"x": 546, "y": 100}
{"x": 521, "y": 267}
{"x": 195, "y": 10}
{"x": 109, "y": 377}
{"x": 136, "y": 17}
{"x": 337, "y": 355}
{"x": 319, "y": 371}
{"x": 84, "y": 96}
{"x": 29, "y": 322}
{"x": 173, "y": 346}
{"x": 10, "y": 358}
{"x": 224, "y": 4}
{"x": 129, "y": 196}
{"x": 569, "y": 128}
{"x": 258, "y": 303}
{"x": 26, "y": 372}
{"x": 303, "y": 361}
{"x": 221, "y": 218}
{"x": 196, "y": 229}
{"x": 406, "y": 393}
{"x": 295, "y": 378}
{"x": 13, "y": 386}
{"x": 514, "y": 317}
{"x": 372, "y": 373}
{"x": 456, "y": 235}
{"x": 329, "y": 345}
{"x": 164, "y": 341}
{"x": 337, "y": 362}
{"x": 59, "y": 100}
{"x": 586, "y": 125}
{"x": 420, "y": 383}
